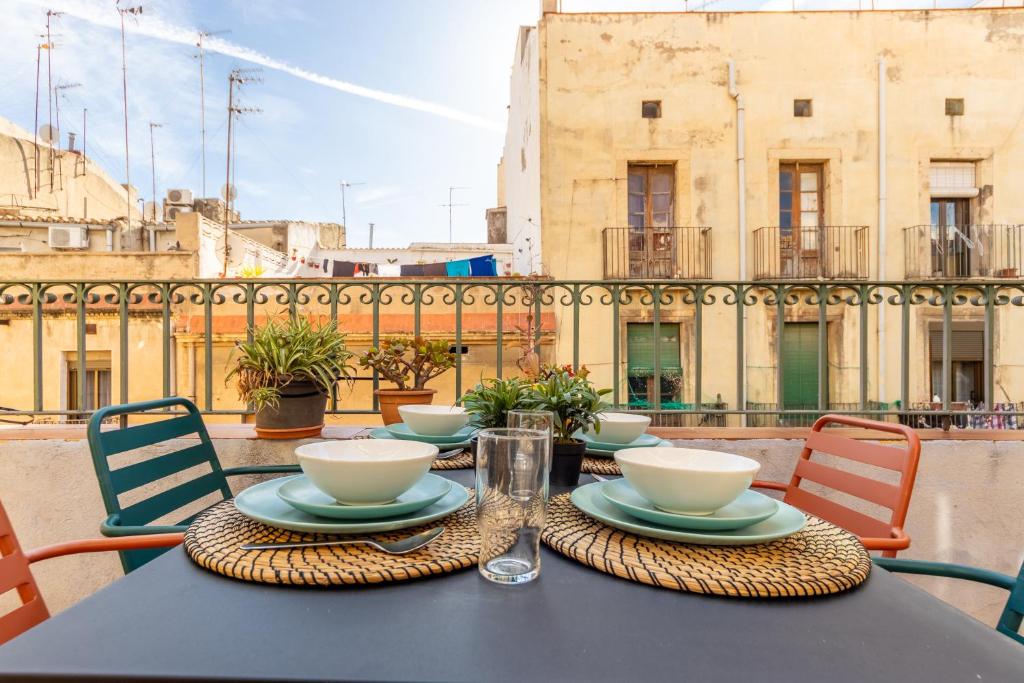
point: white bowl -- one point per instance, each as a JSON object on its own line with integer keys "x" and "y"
{"x": 434, "y": 420}
{"x": 365, "y": 471}
{"x": 686, "y": 480}
{"x": 619, "y": 427}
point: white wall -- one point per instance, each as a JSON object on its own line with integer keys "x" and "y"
{"x": 522, "y": 156}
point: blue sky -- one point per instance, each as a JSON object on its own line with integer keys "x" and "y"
{"x": 453, "y": 55}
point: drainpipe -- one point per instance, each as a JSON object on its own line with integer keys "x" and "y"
{"x": 110, "y": 238}
{"x": 882, "y": 182}
{"x": 741, "y": 211}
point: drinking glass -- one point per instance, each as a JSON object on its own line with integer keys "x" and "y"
{"x": 542, "y": 420}
{"x": 511, "y": 486}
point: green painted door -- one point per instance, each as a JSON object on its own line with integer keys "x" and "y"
{"x": 800, "y": 365}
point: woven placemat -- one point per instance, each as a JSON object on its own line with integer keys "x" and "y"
{"x": 594, "y": 465}
{"x": 213, "y": 542}
{"x": 819, "y": 560}
{"x": 462, "y": 461}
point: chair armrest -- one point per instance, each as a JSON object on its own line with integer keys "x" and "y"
{"x": 262, "y": 469}
{"x": 99, "y": 545}
{"x": 774, "y": 485}
{"x": 111, "y": 527}
{"x": 898, "y": 541}
{"x": 952, "y": 571}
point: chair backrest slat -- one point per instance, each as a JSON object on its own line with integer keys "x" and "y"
{"x": 133, "y": 476}
{"x": 113, "y": 483}
{"x": 15, "y": 574}
{"x": 1013, "y": 613}
{"x": 840, "y": 515}
{"x": 895, "y": 497}
{"x": 148, "y": 510}
{"x": 875, "y": 491}
{"x": 862, "y": 451}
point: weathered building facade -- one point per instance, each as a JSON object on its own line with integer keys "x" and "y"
{"x": 808, "y": 146}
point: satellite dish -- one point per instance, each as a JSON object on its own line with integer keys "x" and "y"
{"x": 229, "y": 192}
{"x": 48, "y": 133}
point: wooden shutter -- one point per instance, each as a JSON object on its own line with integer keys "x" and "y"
{"x": 640, "y": 346}
{"x": 967, "y": 345}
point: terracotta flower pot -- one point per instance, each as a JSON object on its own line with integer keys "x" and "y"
{"x": 299, "y": 413}
{"x": 390, "y": 399}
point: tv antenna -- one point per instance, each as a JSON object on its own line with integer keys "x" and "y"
{"x": 202, "y": 96}
{"x": 57, "y": 89}
{"x": 450, "y": 204}
{"x": 236, "y": 79}
{"x": 133, "y": 12}
{"x": 152, "y": 163}
{"x": 344, "y": 217}
{"x": 50, "y": 16}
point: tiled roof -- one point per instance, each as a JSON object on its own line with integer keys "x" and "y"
{"x": 50, "y": 220}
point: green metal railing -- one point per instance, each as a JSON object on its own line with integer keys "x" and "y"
{"x": 585, "y": 312}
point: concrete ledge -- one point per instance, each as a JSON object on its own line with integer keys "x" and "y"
{"x": 246, "y": 431}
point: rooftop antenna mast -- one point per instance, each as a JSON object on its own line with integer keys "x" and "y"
{"x": 39, "y": 59}
{"x": 236, "y": 79}
{"x": 133, "y": 12}
{"x": 56, "y": 107}
{"x": 202, "y": 96}
{"x": 451, "y": 192}
{"x": 344, "y": 217}
{"x": 50, "y": 16}
{"x": 152, "y": 167}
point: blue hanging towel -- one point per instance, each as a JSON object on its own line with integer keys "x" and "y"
{"x": 458, "y": 268}
{"x": 483, "y": 266}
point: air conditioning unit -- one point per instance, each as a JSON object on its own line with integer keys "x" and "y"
{"x": 171, "y": 213}
{"x": 68, "y": 237}
{"x": 179, "y": 197}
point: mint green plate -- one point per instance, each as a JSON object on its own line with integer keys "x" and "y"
{"x": 600, "y": 450}
{"x": 750, "y": 508}
{"x": 261, "y": 503}
{"x": 589, "y": 500}
{"x": 302, "y": 494}
{"x": 642, "y": 441}
{"x": 400, "y": 430}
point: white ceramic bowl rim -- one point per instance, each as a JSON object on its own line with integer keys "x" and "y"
{"x": 687, "y": 460}
{"x": 622, "y": 417}
{"x": 432, "y": 410}
{"x": 397, "y": 450}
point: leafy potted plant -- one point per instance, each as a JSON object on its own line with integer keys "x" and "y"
{"x": 287, "y": 372}
{"x": 575, "y": 403}
{"x": 409, "y": 364}
{"x": 490, "y": 400}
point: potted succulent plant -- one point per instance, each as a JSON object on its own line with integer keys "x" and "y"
{"x": 287, "y": 372}
{"x": 489, "y": 402}
{"x": 408, "y": 363}
{"x": 576, "y": 404}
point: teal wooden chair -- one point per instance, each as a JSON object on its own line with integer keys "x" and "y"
{"x": 1013, "y": 613}
{"x": 136, "y": 518}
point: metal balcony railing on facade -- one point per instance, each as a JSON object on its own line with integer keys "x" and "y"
{"x": 151, "y": 338}
{"x": 964, "y": 251}
{"x": 670, "y": 253}
{"x": 832, "y": 252}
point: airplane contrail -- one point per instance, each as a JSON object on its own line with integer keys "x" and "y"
{"x": 154, "y": 27}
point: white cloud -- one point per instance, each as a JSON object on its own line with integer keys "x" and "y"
{"x": 102, "y": 14}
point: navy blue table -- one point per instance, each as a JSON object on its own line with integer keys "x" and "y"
{"x": 171, "y": 620}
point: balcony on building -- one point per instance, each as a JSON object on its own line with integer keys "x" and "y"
{"x": 657, "y": 253}
{"x": 958, "y": 251}
{"x": 835, "y": 252}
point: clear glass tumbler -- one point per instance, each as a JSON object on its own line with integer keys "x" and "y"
{"x": 511, "y": 489}
{"x": 542, "y": 420}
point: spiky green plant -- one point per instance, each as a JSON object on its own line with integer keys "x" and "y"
{"x": 571, "y": 397}
{"x": 283, "y": 351}
{"x": 490, "y": 400}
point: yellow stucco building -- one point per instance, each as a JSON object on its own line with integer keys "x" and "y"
{"x": 816, "y": 147}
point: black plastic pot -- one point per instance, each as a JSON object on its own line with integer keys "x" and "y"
{"x": 299, "y": 410}
{"x": 566, "y": 462}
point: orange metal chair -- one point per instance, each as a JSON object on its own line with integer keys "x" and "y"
{"x": 875, "y": 534}
{"x": 15, "y": 572}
